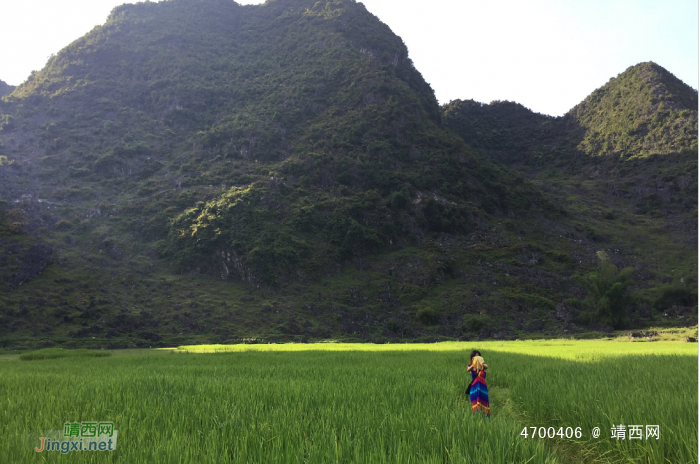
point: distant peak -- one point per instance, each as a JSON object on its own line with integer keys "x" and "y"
{"x": 634, "y": 112}
{"x": 656, "y": 75}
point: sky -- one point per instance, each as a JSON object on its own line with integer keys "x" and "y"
{"x": 547, "y": 55}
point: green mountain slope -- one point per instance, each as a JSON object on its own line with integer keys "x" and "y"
{"x": 204, "y": 171}
{"x": 299, "y": 120}
{"x": 645, "y": 110}
{"x": 623, "y": 163}
{"x": 263, "y": 148}
{"x": 506, "y": 131}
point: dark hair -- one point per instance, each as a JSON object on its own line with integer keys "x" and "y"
{"x": 474, "y": 353}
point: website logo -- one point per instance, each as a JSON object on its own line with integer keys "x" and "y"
{"x": 80, "y": 436}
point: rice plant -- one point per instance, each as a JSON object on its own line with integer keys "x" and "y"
{"x": 356, "y": 404}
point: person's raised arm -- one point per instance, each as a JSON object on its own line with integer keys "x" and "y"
{"x": 485, "y": 366}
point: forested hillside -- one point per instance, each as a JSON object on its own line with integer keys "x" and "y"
{"x": 623, "y": 163}
{"x": 296, "y": 126}
{"x": 200, "y": 170}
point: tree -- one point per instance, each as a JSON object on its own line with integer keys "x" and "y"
{"x": 682, "y": 291}
{"x": 608, "y": 300}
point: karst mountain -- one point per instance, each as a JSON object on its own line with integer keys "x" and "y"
{"x": 198, "y": 170}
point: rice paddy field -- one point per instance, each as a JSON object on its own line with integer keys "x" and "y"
{"x": 359, "y": 403}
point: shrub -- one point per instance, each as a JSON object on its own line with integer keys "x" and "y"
{"x": 63, "y": 225}
{"x": 400, "y": 199}
{"x": 473, "y": 323}
{"x": 680, "y": 293}
{"x": 428, "y": 315}
{"x": 413, "y": 292}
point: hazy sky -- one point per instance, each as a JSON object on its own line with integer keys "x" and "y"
{"x": 546, "y": 54}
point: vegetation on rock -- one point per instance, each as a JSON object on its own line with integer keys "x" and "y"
{"x": 205, "y": 169}
{"x": 303, "y": 120}
{"x": 626, "y": 153}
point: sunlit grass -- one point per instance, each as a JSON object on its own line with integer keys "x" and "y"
{"x": 352, "y": 403}
{"x": 578, "y": 350}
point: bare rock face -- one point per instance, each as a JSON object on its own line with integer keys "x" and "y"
{"x": 648, "y": 335}
{"x": 563, "y": 313}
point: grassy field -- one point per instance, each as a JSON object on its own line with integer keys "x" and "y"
{"x": 359, "y": 403}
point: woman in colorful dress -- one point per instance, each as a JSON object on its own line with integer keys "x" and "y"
{"x": 478, "y": 391}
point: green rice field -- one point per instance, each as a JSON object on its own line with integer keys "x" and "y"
{"x": 359, "y": 403}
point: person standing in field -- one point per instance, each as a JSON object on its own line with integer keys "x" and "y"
{"x": 478, "y": 392}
